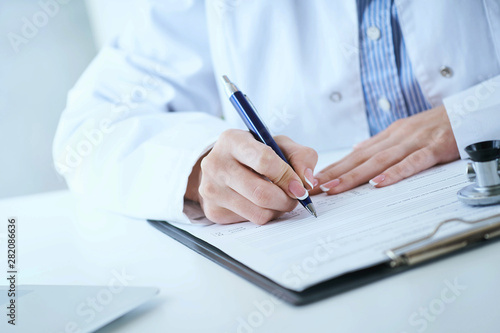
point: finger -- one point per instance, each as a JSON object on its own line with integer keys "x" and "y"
{"x": 243, "y": 207}
{"x": 329, "y": 177}
{"x": 220, "y": 215}
{"x": 211, "y": 196}
{"x": 303, "y": 159}
{"x": 263, "y": 160}
{"x": 369, "y": 169}
{"x": 418, "y": 161}
{"x": 222, "y": 204}
{"x": 259, "y": 191}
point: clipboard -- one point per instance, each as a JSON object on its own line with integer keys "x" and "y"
{"x": 399, "y": 259}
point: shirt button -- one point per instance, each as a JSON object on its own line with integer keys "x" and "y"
{"x": 446, "y": 71}
{"x": 335, "y": 97}
{"x": 384, "y": 104}
{"x": 373, "y": 33}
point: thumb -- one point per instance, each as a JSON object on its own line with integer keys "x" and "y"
{"x": 303, "y": 159}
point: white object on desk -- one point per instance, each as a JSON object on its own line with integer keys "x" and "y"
{"x": 74, "y": 309}
{"x": 61, "y": 244}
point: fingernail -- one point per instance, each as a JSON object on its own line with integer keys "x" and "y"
{"x": 316, "y": 182}
{"x": 308, "y": 175}
{"x": 377, "y": 180}
{"x": 329, "y": 185}
{"x": 298, "y": 190}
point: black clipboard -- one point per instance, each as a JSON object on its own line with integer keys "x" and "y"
{"x": 399, "y": 259}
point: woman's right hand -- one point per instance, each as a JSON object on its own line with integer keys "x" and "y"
{"x": 231, "y": 182}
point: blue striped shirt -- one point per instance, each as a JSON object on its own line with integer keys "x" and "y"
{"x": 390, "y": 89}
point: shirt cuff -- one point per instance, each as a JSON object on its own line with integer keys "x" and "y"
{"x": 474, "y": 114}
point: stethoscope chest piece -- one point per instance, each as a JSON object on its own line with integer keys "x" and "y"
{"x": 484, "y": 171}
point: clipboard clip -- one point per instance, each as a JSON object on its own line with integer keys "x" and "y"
{"x": 427, "y": 248}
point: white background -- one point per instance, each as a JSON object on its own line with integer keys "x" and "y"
{"x": 34, "y": 81}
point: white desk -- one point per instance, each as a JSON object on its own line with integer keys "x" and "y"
{"x": 60, "y": 243}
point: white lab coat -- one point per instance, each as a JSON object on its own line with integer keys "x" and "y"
{"x": 150, "y": 103}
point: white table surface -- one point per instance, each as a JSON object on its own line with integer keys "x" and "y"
{"x": 61, "y": 242}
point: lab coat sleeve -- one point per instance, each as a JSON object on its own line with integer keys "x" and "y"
{"x": 475, "y": 113}
{"x": 142, "y": 114}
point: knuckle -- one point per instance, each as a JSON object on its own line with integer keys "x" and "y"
{"x": 382, "y": 157}
{"x": 304, "y": 154}
{"x": 439, "y": 135}
{"x": 418, "y": 157}
{"x": 349, "y": 178}
{"x": 216, "y": 170}
{"x": 312, "y": 153}
{"x": 265, "y": 159}
{"x": 212, "y": 213}
{"x": 207, "y": 189}
{"x": 207, "y": 164}
{"x": 202, "y": 190}
{"x": 403, "y": 169}
{"x": 219, "y": 215}
{"x": 358, "y": 156}
{"x": 421, "y": 137}
{"x": 262, "y": 216}
{"x": 260, "y": 196}
{"x": 430, "y": 154}
{"x": 224, "y": 136}
{"x": 249, "y": 149}
{"x": 227, "y": 134}
{"x": 234, "y": 168}
{"x": 291, "y": 204}
{"x": 422, "y": 157}
{"x": 415, "y": 159}
{"x": 230, "y": 137}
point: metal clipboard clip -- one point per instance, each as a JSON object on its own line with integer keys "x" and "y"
{"x": 426, "y": 248}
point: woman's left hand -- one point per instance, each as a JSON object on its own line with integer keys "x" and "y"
{"x": 405, "y": 148}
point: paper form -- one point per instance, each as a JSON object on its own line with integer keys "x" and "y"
{"x": 353, "y": 229}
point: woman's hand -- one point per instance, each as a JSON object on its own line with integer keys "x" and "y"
{"x": 230, "y": 181}
{"x": 405, "y": 148}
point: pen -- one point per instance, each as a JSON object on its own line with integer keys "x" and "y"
{"x": 260, "y": 132}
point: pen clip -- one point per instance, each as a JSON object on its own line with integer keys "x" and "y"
{"x": 251, "y": 104}
{"x": 256, "y": 112}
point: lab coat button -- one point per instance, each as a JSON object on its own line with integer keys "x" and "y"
{"x": 384, "y": 104}
{"x": 335, "y": 97}
{"x": 446, "y": 72}
{"x": 373, "y": 33}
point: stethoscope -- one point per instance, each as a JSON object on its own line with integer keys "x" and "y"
{"x": 484, "y": 171}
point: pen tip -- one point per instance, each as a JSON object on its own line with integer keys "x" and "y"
{"x": 312, "y": 210}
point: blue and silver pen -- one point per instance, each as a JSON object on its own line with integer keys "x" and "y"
{"x": 255, "y": 125}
